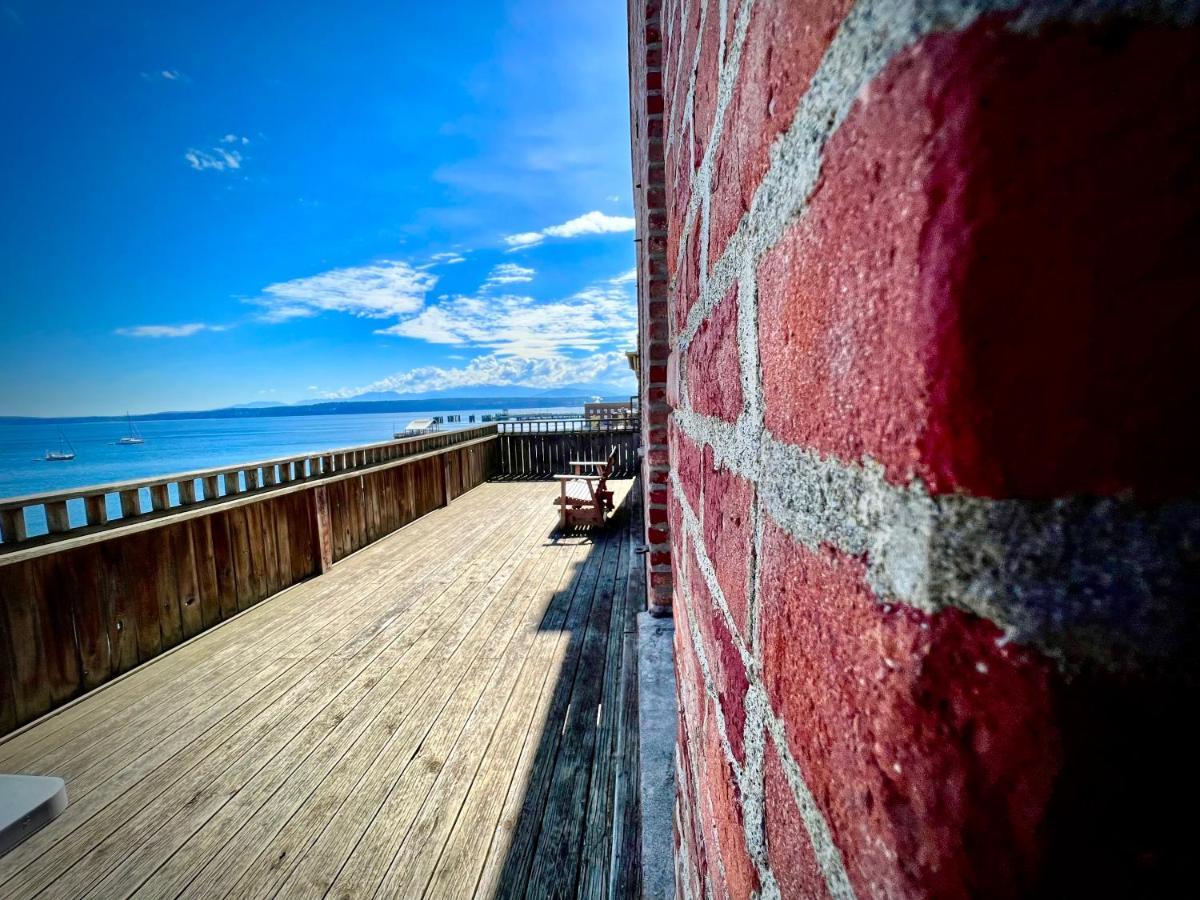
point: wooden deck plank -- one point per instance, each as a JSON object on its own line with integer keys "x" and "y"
{"x": 353, "y": 852}
{"x": 272, "y": 682}
{"x": 194, "y": 664}
{"x": 440, "y": 714}
{"x": 348, "y": 753}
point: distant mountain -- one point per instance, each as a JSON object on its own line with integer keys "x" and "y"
{"x": 585, "y": 390}
{"x": 489, "y": 397}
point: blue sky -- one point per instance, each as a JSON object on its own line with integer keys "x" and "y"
{"x": 218, "y": 203}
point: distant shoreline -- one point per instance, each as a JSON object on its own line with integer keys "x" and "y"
{"x": 330, "y": 408}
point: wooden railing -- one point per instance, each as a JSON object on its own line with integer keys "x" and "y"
{"x": 564, "y": 425}
{"x": 89, "y": 601}
{"x": 116, "y": 505}
{"x": 542, "y": 453}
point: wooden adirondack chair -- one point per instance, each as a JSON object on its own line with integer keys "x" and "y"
{"x": 584, "y": 497}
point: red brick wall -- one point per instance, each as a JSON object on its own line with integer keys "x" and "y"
{"x": 649, "y": 189}
{"x": 932, "y": 306}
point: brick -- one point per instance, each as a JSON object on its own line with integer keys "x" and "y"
{"x": 687, "y": 286}
{"x": 725, "y": 823}
{"x": 714, "y": 366}
{"x": 727, "y": 534}
{"x": 708, "y": 71}
{"x": 790, "y": 853}
{"x": 687, "y": 461}
{"x": 949, "y": 305}
{"x": 784, "y": 45}
{"x": 932, "y": 748}
{"x": 725, "y": 664}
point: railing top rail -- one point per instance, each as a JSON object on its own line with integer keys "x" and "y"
{"x": 7, "y": 503}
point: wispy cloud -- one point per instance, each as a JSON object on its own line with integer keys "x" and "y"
{"x": 594, "y": 222}
{"x": 169, "y": 331}
{"x": 382, "y": 290}
{"x": 447, "y": 259}
{"x": 509, "y": 273}
{"x": 590, "y": 320}
{"x": 550, "y": 371}
{"x": 165, "y": 75}
{"x": 625, "y": 277}
{"x": 220, "y": 158}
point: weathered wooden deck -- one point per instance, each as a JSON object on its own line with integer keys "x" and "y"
{"x": 440, "y": 714}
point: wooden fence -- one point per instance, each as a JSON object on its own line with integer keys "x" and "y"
{"x": 524, "y": 452}
{"x": 90, "y": 601}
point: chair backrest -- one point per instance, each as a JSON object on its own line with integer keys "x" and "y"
{"x": 611, "y": 462}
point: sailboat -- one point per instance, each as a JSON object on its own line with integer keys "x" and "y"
{"x": 62, "y": 454}
{"x": 133, "y": 437}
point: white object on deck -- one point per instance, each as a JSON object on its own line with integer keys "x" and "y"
{"x": 27, "y": 802}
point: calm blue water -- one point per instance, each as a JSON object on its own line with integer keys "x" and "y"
{"x": 179, "y": 446}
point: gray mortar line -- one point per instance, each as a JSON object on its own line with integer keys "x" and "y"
{"x": 702, "y": 174}
{"x": 749, "y": 776}
{"x": 689, "y": 98}
{"x": 829, "y": 857}
{"x": 872, "y": 33}
{"x": 692, "y": 525}
{"x": 1088, "y": 581}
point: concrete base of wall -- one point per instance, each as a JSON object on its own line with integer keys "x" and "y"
{"x": 657, "y": 717}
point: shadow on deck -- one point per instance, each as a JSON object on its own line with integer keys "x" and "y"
{"x": 450, "y": 712}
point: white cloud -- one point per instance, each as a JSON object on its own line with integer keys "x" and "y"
{"x": 509, "y": 273}
{"x": 625, "y": 277}
{"x": 170, "y": 74}
{"x": 169, "y": 331}
{"x": 590, "y": 320}
{"x": 378, "y": 291}
{"x": 524, "y": 239}
{"x": 234, "y": 139}
{"x": 219, "y": 159}
{"x": 594, "y": 222}
{"x": 554, "y": 370}
{"x": 448, "y": 259}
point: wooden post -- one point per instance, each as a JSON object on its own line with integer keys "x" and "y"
{"x": 159, "y": 498}
{"x": 322, "y": 527}
{"x": 131, "y": 503}
{"x": 57, "y": 520}
{"x": 269, "y": 479}
{"x": 187, "y": 491}
{"x": 12, "y": 523}
{"x": 96, "y": 509}
{"x": 212, "y": 487}
{"x": 445, "y": 479}
{"x": 233, "y": 483}
{"x": 252, "y": 479}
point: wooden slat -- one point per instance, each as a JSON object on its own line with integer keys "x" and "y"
{"x": 394, "y": 725}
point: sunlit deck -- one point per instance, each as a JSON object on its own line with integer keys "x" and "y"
{"x": 441, "y": 714}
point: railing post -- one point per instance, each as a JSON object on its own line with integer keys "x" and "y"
{"x": 131, "y": 503}
{"x": 56, "y": 516}
{"x": 322, "y": 527}
{"x": 96, "y": 509}
{"x": 159, "y": 498}
{"x": 212, "y": 487}
{"x": 187, "y": 491}
{"x": 12, "y": 523}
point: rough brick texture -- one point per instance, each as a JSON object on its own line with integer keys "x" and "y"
{"x": 930, "y": 299}
{"x": 657, "y": 375}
